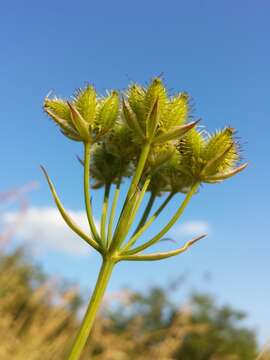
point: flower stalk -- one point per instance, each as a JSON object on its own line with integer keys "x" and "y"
{"x": 87, "y": 198}
{"x": 104, "y": 214}
{"x": 112, "y": 214}
{"x": 94, "y": 304}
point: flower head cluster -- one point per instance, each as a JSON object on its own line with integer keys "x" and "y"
{"x": 148, "y": 139}
{"x": 153, "y": 116}
{"x": 179, "y": 153}
{"x": 85, "y": 117}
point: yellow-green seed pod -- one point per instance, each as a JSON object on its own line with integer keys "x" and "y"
{"x": 85, "y": 102}
{"x": 136, "y": 96}
{"x": 59, "y": 111}
{"x": 209, "y": 159}
{"x": 176, "y": 112}
{"x": 153, "y": 116}
{"x": 85, "y": 118}
{"x": 58, "y": 107}
{"x": 155, "y": 91}
{"x": 108, "y": 112}
{"x": 220, "y": 152}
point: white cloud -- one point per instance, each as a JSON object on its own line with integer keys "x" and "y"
{"x": 45, "y": 229}
{"x": 191, "y": 228}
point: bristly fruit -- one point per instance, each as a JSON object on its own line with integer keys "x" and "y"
{"x": 153, "y": 116}
{"x": 85, "y": 117}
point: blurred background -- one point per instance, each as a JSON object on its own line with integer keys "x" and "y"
{"x": 213, "y": 301}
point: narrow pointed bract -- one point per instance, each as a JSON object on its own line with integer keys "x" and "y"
{"x": 79, "y": 123}
{"x": 65, "y": 215}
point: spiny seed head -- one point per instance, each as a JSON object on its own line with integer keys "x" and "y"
{"x": 180, "y": 154}
{"x": 120, "y": 142}
{"x": 85, "y": 101}
{"x": 158, "y": 157}
{"x": 85, "y": 117}
{"x": 152, "y": 114}
{"x": 168, "y": 178}
{"x": 107, "y": 168}
{"x": 209, "y": 158}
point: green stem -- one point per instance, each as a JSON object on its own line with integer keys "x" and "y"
{"x": 148, "y": 223}
{"x": 94, "y": 304}
{"x": 146, "y": 213}
{"x": 167, "y": 227}
{"x": 128, "y": 221}
{"x": 130, "y": 198}
{"x": 87, "y": 192}
{"x": 104, "y": 213}
{"x": 137, "y": 175}
{"x": 138, "y": 172}
{"x": 112, "y": 214}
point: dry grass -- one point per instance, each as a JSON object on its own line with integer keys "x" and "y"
{"x": 38, "y": 319}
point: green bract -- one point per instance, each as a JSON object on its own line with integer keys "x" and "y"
{"x": 149, "y": 146}
{"x": 86, "y": 117}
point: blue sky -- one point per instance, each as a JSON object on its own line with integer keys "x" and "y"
{"x": 219, "y": 52}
